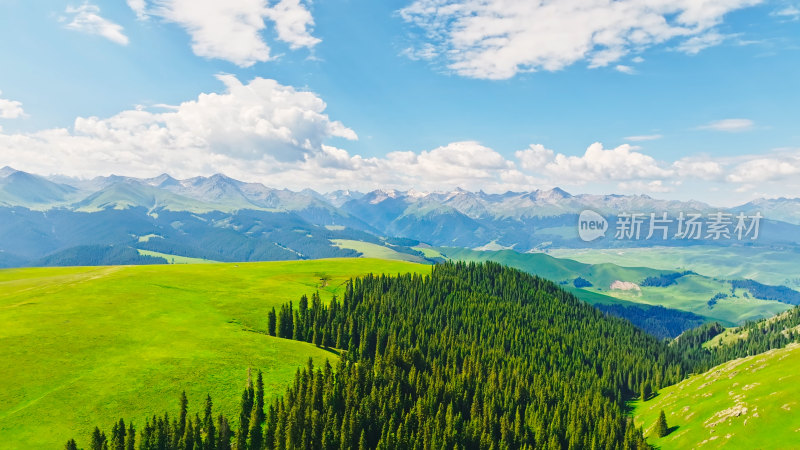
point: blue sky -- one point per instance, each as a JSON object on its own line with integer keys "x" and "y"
{"x": 425, "y": 94}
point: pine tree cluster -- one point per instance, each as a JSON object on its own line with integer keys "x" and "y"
{"x": 471, "y": 356}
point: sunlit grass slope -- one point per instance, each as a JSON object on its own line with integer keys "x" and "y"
{"x": 80, "y": 346}
{"x": 750, "y": 402}
{"x": 369, "y": 250}
{"x": 770, "y": 266}
{"x": 689, "y": 293}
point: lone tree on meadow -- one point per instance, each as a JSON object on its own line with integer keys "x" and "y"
{"x": 661, "y": 425}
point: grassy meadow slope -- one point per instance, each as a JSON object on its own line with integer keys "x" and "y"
{"x": 751, "y": 402}
{"x": 370, "y": 250}
{"x": 769, "y": 266}
{"x": 79, "y": 345}
{"x": 689, "y": 293}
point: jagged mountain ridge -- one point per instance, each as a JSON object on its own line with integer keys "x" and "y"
{"x": 523, "y": 221}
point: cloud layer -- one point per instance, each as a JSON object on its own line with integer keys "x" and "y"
{"x": 729, "y": 125}
{"x": 10, "y": 109}
{"x": 275, "y": 134}
{"x": 233, "y": 30}
{"x": 249, "y": 128}
{"x": 86, "y": 18}
{"x": 496, "y": 39}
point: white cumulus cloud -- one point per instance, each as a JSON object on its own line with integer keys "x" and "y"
{"x": 699, "y": 168}
{"x": 628, "y": 70}
{"x": 234, "y": 30}
{"x": 139, "y": 7}
{"x": 496, "y": 39}
{"x": 249, "y": 128}
{"x": 622, "y": 163}
{"x": 293, "y": 21}
{"x": 767, "y": 168}
{"x": 10, "y": 109}
{"x": 86, "y": 19}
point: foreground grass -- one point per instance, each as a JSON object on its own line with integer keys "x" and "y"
{"x": 750, "y": 402}
{"x": 81, "y": 346}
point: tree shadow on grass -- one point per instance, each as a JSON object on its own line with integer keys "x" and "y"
{"x": 670, "y": 430}
{"x": 332, "y": 350}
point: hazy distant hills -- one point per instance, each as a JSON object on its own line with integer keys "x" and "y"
{"x": 224, "y": 219}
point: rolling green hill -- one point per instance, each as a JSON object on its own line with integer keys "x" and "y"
{"x": 82, "y": 345}
{"x": 370, "y": 250}
{"x": 745, "y": 403}
{"x": 776, "y": 266}
{"x": 690, "y": 293}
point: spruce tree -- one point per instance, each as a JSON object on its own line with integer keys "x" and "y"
{"x": 244, "y": 422}
{"x": 188, "y": 437}
{"x": 661, "y": 425}
{"x": 297, "y": 331}
{"x": 259, "y": 400}
{"x": 255, "y": 432}
{"x": 272, "y": 322}
{"x": 208, "y": 426}
{"x": 224, "y": 433}
{"x": 98, "y": 439}
{"x": 71, "y": 445}
{"x": 645, "y": 390}
{"x": 184, "y": 406}
{"x": 198, "y": 438}
{"x": 130, "y": 442}
{"x": 118, "y": 432}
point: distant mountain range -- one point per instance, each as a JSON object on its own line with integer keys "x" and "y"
{"x": 224, "y": 219}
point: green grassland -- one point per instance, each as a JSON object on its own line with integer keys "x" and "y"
{"x": 556, "y": 269}
{"x": 735, "y": 334}
{"x": 690, "y": 293}
{"x": 80, "y": 345}
{"x": 428, "y": 251}
{"x": 768, "y": 266}
{"x": 369, "y": 250}
{"x": 175, "y": 259}
{"x": 751, "y": 402}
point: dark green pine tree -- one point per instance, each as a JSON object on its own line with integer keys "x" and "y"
{"x": 661, "y": 425}
{"x": 272, "y": 322}
{"x": 71, "y": 445}
{"x": 208, "y": 426}
{"x": 224, "y": 433}
{"x": 188, "y": 437}
{"x": 118, "y": 432}
{"x": 297, "y": 331}
{"x": 130, "y": 442}
{"x": 98, "y": 439}
{"x": 198, "y": 437}
{"x": 246, "y": 410}
{"x": 362, "y": 442}
{"x": 645, "y": 390}
{"x": 182, "y": 419}
{"x": 257, "y": 415}
{"x": 255, "y": 432}
{"x": 271, "y": 424}
{"x": 259, "y": 396}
